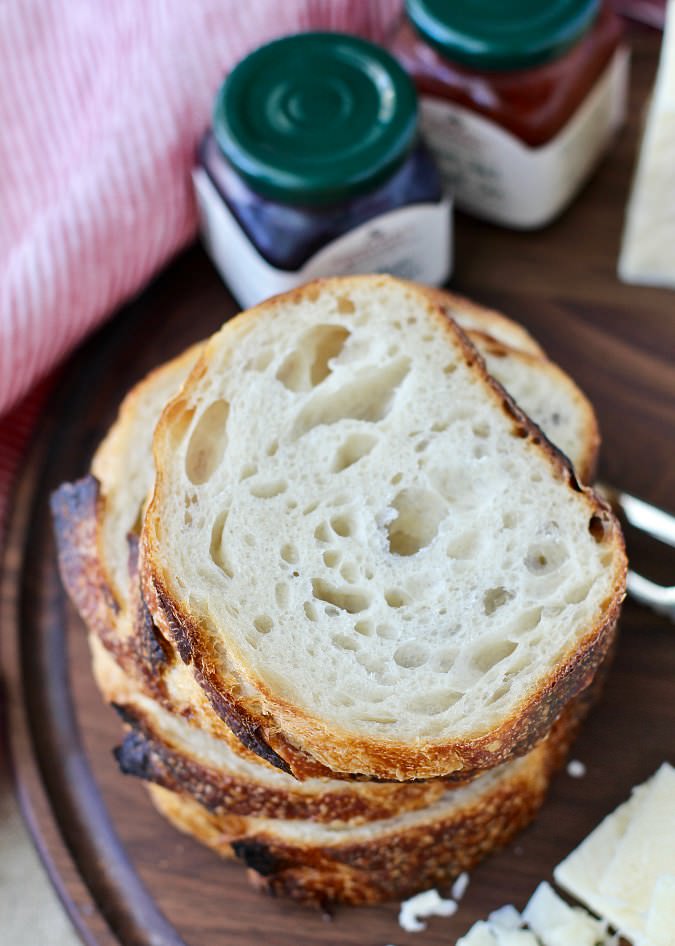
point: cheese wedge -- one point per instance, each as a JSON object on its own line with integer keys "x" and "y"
{"x": 615, "y": 871}
{"x": 648, "y": 250}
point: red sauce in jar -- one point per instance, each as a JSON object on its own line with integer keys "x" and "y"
{"x": 534, "y": 103}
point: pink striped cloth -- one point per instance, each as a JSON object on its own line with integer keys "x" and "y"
{"x": 101, "y": 106}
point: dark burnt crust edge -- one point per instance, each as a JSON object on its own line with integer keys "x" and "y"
{"x": 245, "y": 726}
{"x": 261, "y": 733}
{"x": 75, "y": 509}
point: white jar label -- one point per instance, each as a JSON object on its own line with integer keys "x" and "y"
{"x": 414, "y": 242}
{"x": 492, "y": 174}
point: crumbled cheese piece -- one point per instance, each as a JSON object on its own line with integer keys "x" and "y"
{"x": 660, "y": 928}
{"x": 478, "y": 935}
{"x": 494, "y": 934}
{"x": 576, "y": 769}
{"x": 545, "y": 909}
{"x": 558, "y": 924}
{"x": 507, "y": 916}
{"x": 428, "y": 903}
{"x": 459, "y": 887}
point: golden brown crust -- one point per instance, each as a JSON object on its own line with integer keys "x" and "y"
{"x": 396, "y": 860}
{"x": 307, "y": 744}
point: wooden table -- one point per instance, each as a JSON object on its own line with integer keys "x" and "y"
{"x": 126, "y": 876}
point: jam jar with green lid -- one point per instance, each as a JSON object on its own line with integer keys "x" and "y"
{"x": 518, "y": 100}
{"x": 314, "y": 166}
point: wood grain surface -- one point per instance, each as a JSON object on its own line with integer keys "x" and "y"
{"x": 128, "y": 878}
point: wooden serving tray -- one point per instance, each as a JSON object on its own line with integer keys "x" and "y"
{"x": 126, "y": 877}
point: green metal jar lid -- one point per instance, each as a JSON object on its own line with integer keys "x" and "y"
{"x": 316, "y": 118}
{"x": 502, "y": 34}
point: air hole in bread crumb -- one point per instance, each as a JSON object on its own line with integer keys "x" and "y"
{"x": 345, "y": 306}
{"x": 272, "y": 448}
{"x": 411, "y": 655}
{"x": 527, "y": 621}
{"x": 445, "y": 660}
{"x": 350, "y": 572}
{"x": 310, "y": 507}
{"x": 509, "y": 520}
{"x": 269, "y": 490}
{"x": 439, "y": 426}
{"x": 310, "y": 611}
{"x": 353, "y": 449}
{"x": 263, "y": 623}
{"x": 419, "y": 514}
{"x": 331, "y": 558}
{"x": 310, "y": 363}
{"x": 281, "y": 595}
{"x": 545, "y": 557}
{"x": 489, "y": 655}
{"x": 365, "y": 628}
{"x": 322, "y": 532}
{"x": 207, "y": 444}
{"x": 342, "y": 526}
{"x": 344, "y": 642}
{"x": 449, "y": 369}
{"x": 385, "y": 631}
{"x": 289, "y": 553}
{"x": 396, "y": 598}
{"x": 216, "y": 550}
{"x": 495, "y": 598}
{"x": 261, "y": 361}
{"x": 249, "y": 469}
{"x": 368, "y": 397}
{"x": 597, "y": 528}
{"x": 346, "y": 599}
{"x": 396, "y": 479}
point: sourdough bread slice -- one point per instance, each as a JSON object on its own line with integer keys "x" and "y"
{"x": 382, "y": 860}
{"x": 96, "y": 516}
{"x": 370, "y": 556}
{"x": 176, "y": 739}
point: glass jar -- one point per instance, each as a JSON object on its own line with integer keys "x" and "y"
{"x": 519, "y": 100}
{"x": 314, "y": 167}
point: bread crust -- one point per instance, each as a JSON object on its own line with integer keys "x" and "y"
{"x": 396, "y": 861}
{"x": 300, "y": 738}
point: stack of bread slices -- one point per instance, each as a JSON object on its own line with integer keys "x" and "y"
{"x": 352, "y": 613}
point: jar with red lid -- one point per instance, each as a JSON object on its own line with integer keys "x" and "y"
{"x": 519, "y": 100}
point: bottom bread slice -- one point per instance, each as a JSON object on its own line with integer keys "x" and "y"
{"x": 381, "y": 860}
